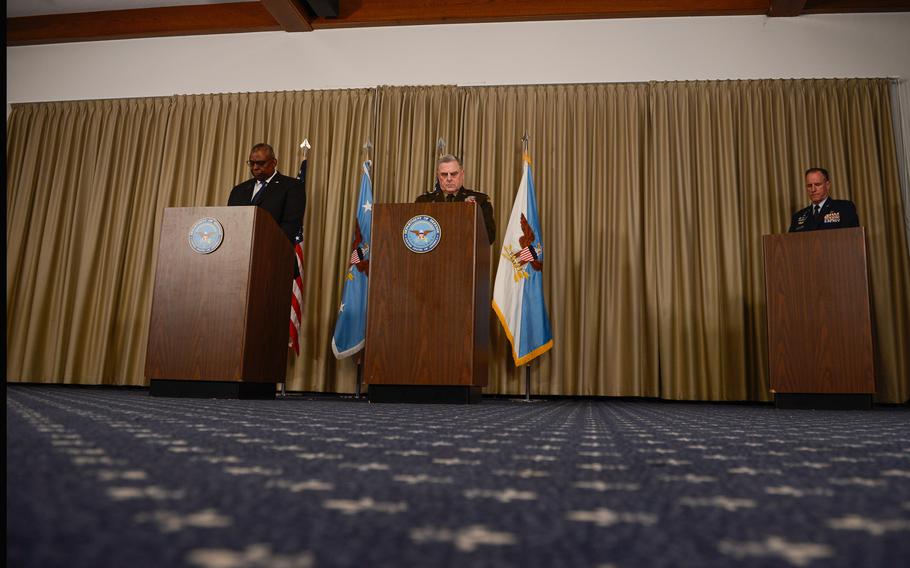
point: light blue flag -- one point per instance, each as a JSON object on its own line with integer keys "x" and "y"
{"x": 518, "y": 291}
{"x": 350, "y": 329}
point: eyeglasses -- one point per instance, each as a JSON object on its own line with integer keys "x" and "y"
{"x": 448, "y": 174}
{"x": 260, "y": 163}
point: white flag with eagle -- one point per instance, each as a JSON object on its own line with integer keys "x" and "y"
{"x": 518, "y": 292}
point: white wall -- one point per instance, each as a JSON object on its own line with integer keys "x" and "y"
{"x": 738, "y": 47}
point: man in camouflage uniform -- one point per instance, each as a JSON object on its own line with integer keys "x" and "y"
{"x": 450, "y": 188}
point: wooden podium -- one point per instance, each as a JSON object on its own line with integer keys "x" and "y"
{"x": 428, "y": 317}
{"x": 819, "y": 323}
{"x": 219, "y": 323}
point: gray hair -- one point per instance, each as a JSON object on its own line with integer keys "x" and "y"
{"x": 445, "y": 159}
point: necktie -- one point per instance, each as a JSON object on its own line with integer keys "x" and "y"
{"x": 815, "y": 211}
{"x": 257, "y": 197}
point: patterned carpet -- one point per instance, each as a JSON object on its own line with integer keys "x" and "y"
{"x": 112, "y": 477}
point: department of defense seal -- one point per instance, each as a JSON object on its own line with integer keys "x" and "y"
{"x": 206, "y": 235}
{"x": 421, "y": 234}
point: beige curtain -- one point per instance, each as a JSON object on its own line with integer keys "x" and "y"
{"x": 337, "y": 123}
{"x": 409, "y": 122}
{"x": 81, "y": 210}
{"x": 588, "y": 146}
{"x": 85, "y": 200}
{"x": 653, "y": 199}
{"x": 209, "y": 141}
{"x": 697, "y": 245}
{"x": 728, "y": 167}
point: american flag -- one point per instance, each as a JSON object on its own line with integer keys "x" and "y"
{"x": 526, "y": 255}
{"x": 356, "y": 256}
{"x": 297, "y": 290}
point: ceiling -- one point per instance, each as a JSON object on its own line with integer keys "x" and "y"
{"x": 31, "y": 22}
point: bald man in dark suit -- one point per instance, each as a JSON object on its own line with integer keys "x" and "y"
{"x": 282, "y": 196}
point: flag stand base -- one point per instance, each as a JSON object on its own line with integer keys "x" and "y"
{"x": 211, "y": 389}
{"x": 359, "y": 379}
{"x": 527, "y": 397}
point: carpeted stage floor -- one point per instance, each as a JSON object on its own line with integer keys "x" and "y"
{"x": 104, "y": 477}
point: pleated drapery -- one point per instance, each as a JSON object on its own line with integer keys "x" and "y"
{"x": 653, "y": 200}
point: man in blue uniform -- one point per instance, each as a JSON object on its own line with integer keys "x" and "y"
{"x": 824, "y": 212}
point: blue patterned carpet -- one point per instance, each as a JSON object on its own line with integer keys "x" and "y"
{"x": 112, "y": 477}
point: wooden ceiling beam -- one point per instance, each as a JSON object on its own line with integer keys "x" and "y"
{"x": 358, "y": 13}
{"x": 233, "y": 17}
{"x": 785, "y": 8}
{"x": 855, "y": 6}
{"x": 289, "y": 14}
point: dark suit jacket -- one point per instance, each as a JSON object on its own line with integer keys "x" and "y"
{"x": 284, "y": 199}
{"x": 835, "y": 214}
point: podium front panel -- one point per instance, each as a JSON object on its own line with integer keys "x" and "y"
{"x": 819, "y": 322}
{"x": 423, "y": 309}
{"x": 220, "y": 316}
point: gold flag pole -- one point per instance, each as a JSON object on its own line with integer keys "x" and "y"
{"x": 525, "y": 143}
{"x": 282, "y": 386}
{"x": 368, "y": 152}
